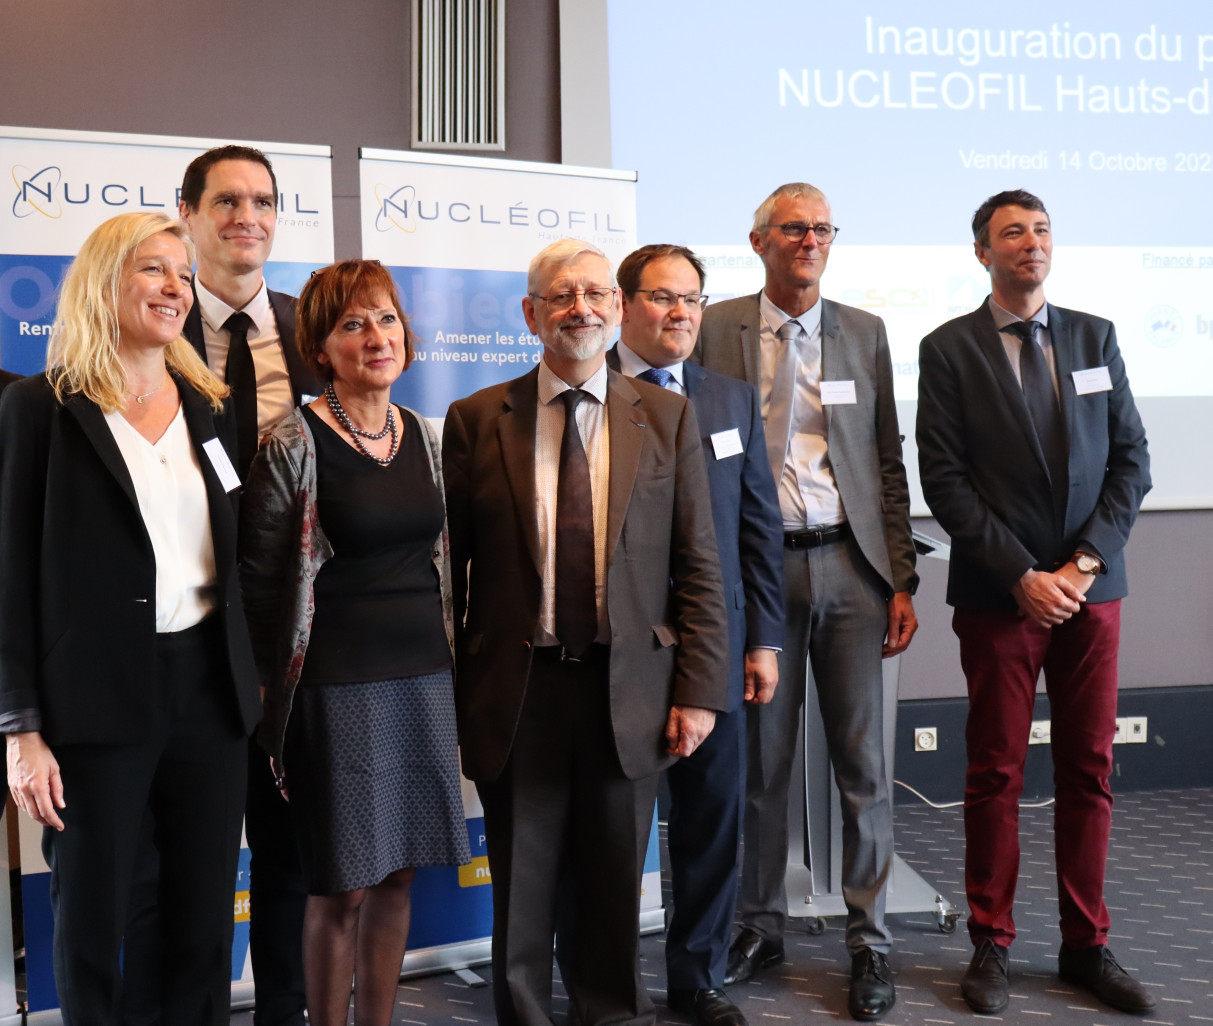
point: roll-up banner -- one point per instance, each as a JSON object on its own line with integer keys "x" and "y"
{"x": 458, "y": 233}
{"x": 58, "y": 186}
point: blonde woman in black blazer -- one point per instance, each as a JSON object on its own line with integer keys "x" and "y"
{"x": 127, "y": 685}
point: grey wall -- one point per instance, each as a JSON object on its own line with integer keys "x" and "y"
{"x": 301, "y": 71}
{"x": 1166, "y": 635}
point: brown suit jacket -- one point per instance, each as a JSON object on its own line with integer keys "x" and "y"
{"x": 669, "y": 634}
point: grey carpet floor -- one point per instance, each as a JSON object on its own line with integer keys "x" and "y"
{"x": 1159, "y": 891}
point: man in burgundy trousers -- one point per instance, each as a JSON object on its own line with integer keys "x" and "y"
{"x": 1034, "y": 461}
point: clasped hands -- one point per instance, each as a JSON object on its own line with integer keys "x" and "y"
{"x": 1050, "y": 599}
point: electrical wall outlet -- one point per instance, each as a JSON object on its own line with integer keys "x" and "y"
{"x": 1131, "y": 730}
{"x": 926, "y": 739}
{"x": 1041, "y": 732}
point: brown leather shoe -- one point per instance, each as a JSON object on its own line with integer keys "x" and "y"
{"x": 1096, "y": 969}
{"x": 984, "y": 984}
{"x": 749, "y": 953}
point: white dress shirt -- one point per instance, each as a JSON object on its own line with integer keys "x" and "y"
{"x": 549, "y": 432}
{"x": 808, "y": 495}
{"x": 274, "y": 396}
{"x": 172, "y": 501}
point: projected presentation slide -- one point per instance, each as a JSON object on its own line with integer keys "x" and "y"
{"x": 907, "y": 117}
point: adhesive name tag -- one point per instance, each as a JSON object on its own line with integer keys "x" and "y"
{"x": 1093, "y": 379}
{"x": 837, "y": 393}
{"x": 223, "y": 466}
{"x": 727, "y": 443}
{"x": 307, "y": 400}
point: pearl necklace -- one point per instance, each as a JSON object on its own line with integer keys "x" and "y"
{"x": 357, "y": 434}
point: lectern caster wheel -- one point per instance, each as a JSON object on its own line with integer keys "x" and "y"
{"x": 815, "y": 925}
{"x": 947, "y": 922}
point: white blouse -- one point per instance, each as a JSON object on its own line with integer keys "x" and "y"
{"x": 172, "y": 500}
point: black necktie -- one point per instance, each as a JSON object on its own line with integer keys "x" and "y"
{"x": 576, "y": 608}
{"x": 242, "y": 380}
{"x": 1041, "y": 398}
{"x": 658, "y": 376}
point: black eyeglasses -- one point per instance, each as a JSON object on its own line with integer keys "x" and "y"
{"x": 667, "y": 300}
{"x": 795, "y": 231}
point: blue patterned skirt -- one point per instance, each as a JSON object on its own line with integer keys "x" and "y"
{"x": 373, "y": 774}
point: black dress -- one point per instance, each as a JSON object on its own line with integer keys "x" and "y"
{"x": 371, "y": 741}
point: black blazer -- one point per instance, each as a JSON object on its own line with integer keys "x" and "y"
{"x": 78, "y": 574}
{"x": 986, "y": 479}
{"x": 303, "y": 381}
{"x": 745, "y": 511}
{"x": 7, "y": 378}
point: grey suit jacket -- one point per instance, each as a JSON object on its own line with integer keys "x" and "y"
{"x": 863, "y": 443}
{"x": 984, "y": 475}
{"x": 669, "y": 640}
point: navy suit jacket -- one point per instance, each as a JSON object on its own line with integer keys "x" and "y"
{"x": 984, "y": 474}
{"x": 745, "y": 510}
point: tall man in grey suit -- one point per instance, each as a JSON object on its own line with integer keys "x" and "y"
{"x": 662, "y": 291}
{"x": 825, "y": 380}
{"x": 591, "y": 638}
{"x": 1034, "y": 461}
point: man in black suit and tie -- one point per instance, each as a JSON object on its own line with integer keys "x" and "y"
{"x": 826, "y": 385}
{"x": 591, "y": 639}
{"x": 662, "y": 293}
{"x": 246, "y": 334}
{"x": 244, "y": 331}
{"x": 1034, "y": 461}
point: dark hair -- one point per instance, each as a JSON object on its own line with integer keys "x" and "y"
{"x": 193, "y": 185}
{"x": 631, "y": 270}
{"x": 1010, "y": 198}
{"x": 327, "y": 295}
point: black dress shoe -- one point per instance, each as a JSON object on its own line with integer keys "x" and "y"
{"x": 872, "y": 990}
{"x": 707, "y": 1007}
{"x": 1097, "y": 970}
{"x": 984, "y": 984}
{"x": 749, "y": 953}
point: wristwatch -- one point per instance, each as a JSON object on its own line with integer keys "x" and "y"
{"x": 1087, "y": 564}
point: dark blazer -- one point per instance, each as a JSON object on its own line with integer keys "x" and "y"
{"x": 78, "y": 574}
{"x": 984, "y": 475}
{"x": 7, "y": 378}
{"x": 745, "y": 510}
{"x": 303, "y": 381}
{"x": 664, "y": 592}
{"x": 863, "y": 438}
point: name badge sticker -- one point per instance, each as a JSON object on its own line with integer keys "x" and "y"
{"x": 1093, "y": 379}
{"x": 727, "y": 443}
{"x": 838, "y": 393}
{"x": 223, "y": 466}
